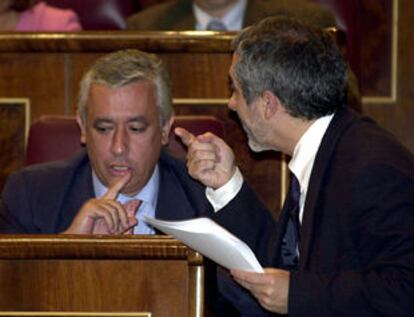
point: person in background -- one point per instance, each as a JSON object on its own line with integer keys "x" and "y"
{"x": 233, "y": 15}
{"x": 344, "y": 243}
{"x": 224, "y": 15}
{"x": 35, "y": 16}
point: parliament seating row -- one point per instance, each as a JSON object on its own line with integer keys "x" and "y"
{"x": 112, "y": 14}
{"x": 198, "y": 64}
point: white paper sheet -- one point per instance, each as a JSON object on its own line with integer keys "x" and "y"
{"x": 211, "y": 240}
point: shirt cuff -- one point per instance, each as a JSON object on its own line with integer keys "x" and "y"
{"x": 222, "y": 196}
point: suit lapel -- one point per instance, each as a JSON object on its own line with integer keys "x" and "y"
{"x": 182, "y": 17}
{"x": 79, "y": 190}
{"x": 172, "y": 202}
{"x": 338, "y": 125}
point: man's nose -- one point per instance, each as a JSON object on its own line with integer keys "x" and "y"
{"x": 120, "y": 142}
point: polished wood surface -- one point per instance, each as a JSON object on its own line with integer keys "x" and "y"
{"x": 14, "y": 123}
{"x": 67, "y": 273}
{"x": 396, "y": 112}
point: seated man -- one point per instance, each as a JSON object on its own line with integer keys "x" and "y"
{"x": 344, "y": 243}
{"x": 125, "y": 115}
{"x": 224, "y": 15}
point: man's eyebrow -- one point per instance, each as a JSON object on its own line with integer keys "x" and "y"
{"x": 139, "y": 119}
{"x": 130, "y": 120}
{"x": 102, "y": 120}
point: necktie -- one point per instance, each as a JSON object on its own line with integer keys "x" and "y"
{"x": 131, "y": 208}
{"x": 216, "y": 25}
{"x": 292, "y": 234}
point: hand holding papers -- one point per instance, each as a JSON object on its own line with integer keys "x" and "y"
{"x": 211, "y": 240}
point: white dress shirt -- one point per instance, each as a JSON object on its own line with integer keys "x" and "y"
{"x": 304, "y": 154}
{"x": 233, "y": 20}
{"x": 300, "y": 165}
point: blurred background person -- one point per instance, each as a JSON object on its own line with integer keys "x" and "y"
{"x": 224, "y": 15}
{"x": 233, "y": 15}
{"x": 32, "y": 15}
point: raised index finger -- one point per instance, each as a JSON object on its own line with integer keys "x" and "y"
{"x": 186, "y": 137}
{"x": 117, "y": 186}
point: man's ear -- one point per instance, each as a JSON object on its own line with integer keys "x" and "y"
{"x": 271, "y": 104}
{"x": 81, "y": 127}
{"x": 165, "y": 130}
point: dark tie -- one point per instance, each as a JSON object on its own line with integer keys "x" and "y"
{"x": 216, "y": 25}
{"x": 292, "y": 234}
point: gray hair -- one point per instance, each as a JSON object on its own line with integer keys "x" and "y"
{"x": 300, "y": 64}
{"x": 121, "y": 68}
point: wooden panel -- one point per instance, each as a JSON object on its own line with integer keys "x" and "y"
{"x": 36, "y": 77}
{"x": 396, "y": 113}
{"x": 192, "y": 82}
{"x": 88, "y": 285}
{"x": 376, "y": 47}
{"x": 104, "y": 274}
{"x": 14, "y": 125}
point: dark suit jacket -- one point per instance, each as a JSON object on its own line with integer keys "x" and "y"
{"x": 357, "y": 234}
{"x": 45, "y": 198}
{"x": 178, "y": 14}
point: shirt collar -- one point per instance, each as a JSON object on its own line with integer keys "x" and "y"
{"x": 148, "y": 194}
{"x": 233, "y": 20}
{"x": 306, "y": 149}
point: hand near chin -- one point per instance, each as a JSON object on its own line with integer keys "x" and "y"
{"x": 106, "y": 215}
{"x": 209, "y": 159}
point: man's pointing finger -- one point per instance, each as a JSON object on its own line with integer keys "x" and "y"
{"x": 116, "y": 187}
{"x": 186, "y": 137}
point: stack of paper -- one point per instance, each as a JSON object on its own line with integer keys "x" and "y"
{"x": 211, "y": 240}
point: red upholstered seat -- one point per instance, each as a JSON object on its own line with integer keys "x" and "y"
{"x": 55, "y": 137}
{"x": 52, "y": 138}
{"x": 100, "y": 14}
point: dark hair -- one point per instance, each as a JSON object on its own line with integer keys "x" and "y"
{"x": 300, "y": 64}
{"x": 22, "y": 5}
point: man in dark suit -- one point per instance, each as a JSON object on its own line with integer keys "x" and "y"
{"x": 125, "y": 115}
{"x": 234, "y": 14}
{"x": 344, "y": 244}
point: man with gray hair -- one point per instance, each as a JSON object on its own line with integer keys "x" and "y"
{"x": 125, "y": 115}
{"x": 344, "y": 243}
